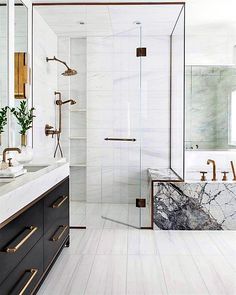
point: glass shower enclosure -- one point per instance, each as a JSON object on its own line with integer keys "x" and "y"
{"x": 121, "y": 168}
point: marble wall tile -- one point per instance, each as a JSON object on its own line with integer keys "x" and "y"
{"x": 45, "y": 83}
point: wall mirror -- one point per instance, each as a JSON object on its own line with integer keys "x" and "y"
{"x": 21, "y": 50}
{"x": 3, "y": 67}
{"x": 210, "y": 108}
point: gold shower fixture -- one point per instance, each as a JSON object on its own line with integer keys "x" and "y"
{"x": 49, "y": 130}
{"x": 68, "y": 71}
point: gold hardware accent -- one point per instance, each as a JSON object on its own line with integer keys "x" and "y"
{"x": 15, "y": 248}
{"x": 23, "y": 139}
{"x": 233, "y": 170}
{"x": 224, "y": 175}
{"x": 141, "y": 51}
{"x": 9, "y": 162}
{"x": 68, "y": 71}
{"x": 21, "y": 74}
{"x": 119, "y": 139}
{"x": 33, "y": 272}
{"x": 203, "y": 177}
{"x": 209, "y": 161}
{"x": 4, "y": 157}
{"x": 58, "y": 235}
{"x": 59, "y": 202}
{"x": 140, "y": 203}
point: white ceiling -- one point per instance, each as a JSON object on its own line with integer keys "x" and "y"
{"x": 202, "y": 16}
{"x": 110, "y": 19}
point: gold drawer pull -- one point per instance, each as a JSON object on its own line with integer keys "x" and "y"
{"x": 33, "y": 273}
{"x": 13, "y": 248}
{"x": 59, "y": 233}
{"x": 59, "y": 202}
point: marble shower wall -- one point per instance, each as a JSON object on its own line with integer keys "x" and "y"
{"x": 195, "y": 206}
{"x": 45, "y": 83}
{"x": 73, "y": 138}
{"x": 113, "y": 75}
{"x": 208, "y": 92}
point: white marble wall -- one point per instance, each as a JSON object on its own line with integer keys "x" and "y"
{"x": 73, "y": 138}
{"x": 45, "y": 83}
{"x": 113, "y": 81}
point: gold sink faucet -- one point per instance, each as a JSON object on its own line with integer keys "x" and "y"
{"x": 209, "y": 161}
{"x": 4, "y": 154}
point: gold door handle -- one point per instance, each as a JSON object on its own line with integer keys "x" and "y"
{"x": 13, "y": 248}
{"x": 119, "y": 139}
{"x": 59, "y": 233}
{"x": 33, "y": 273}
{"x": 59, "y": 202}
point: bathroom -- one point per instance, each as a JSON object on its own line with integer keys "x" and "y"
{"x": 117, "y": 145}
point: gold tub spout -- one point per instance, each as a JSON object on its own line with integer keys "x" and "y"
{"x": 233, "y": 170}
{"x": 209, "y": 161}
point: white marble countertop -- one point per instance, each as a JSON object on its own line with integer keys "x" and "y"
{"x": 23, "y": 190}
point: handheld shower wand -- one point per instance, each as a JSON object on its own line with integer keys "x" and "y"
{"x": 49, "y": 129}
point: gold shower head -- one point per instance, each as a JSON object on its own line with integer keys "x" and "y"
{"x": 68, "y": 72}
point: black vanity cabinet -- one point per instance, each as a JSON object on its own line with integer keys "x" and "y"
{"x": 30, "y": 243}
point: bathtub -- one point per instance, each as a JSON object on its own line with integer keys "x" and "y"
{"x": 194, "y": 205}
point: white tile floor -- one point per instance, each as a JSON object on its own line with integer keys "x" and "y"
{"x": 128, "y": 261}
{"x": 89, "y": 214}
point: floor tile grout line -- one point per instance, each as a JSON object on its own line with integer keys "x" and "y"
{"x": 194, "y": 261}
{"x": 162, "y": 268}
{"x": 93, "y": 263}
{"x": 79, "y": 262}
{"x": 222, "y": 253}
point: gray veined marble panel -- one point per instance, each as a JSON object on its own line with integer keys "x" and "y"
{"x": 195, "y": 206}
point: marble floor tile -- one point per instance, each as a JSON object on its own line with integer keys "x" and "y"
{"x": 130, "y": 261}
{"x": 108, "y": 275}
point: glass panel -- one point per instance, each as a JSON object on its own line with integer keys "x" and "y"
{"x": 121, "y": 180}
{"x": 3, "y": 69}
{"x": 177, "y": 97}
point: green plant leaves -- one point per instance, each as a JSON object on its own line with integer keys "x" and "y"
{"x": 3, "y": 118}
{"x": 23, "y": 116}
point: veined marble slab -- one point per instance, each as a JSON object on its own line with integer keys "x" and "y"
{"x": 195, "y": 206}
{"x": 20, "y": 192}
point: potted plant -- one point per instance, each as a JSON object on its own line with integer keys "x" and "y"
{"x": 24, "y": 117}
{"x": 3, "y": 121}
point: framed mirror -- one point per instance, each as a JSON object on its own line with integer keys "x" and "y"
{"x": 3, "y": 70}
{"x": 21, "y": 51}
{"x": 210, "y": 108}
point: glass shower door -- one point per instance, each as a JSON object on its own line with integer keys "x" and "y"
{"x": 121, "y": 163}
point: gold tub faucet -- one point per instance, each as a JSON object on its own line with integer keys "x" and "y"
{"x": 209, "y": 161}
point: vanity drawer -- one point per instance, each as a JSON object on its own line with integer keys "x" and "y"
{"x": 54, "y": 239}
{"x": 56, "y": 205}
{"x": 18, "y": 237}
{"x": 27, "y": 274}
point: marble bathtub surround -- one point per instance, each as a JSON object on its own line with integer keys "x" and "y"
{"x": 191, "y": 205}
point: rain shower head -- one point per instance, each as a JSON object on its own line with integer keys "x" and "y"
{"x": 68, "y": 71}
